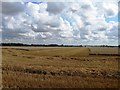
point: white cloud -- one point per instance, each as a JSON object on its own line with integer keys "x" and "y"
{"x": 66, "y": 29}
{"x": 111, "y": 9}
{"x": 78, "y": 20}
{"x": 108, "y": 9}
{"x": 112, "y": 32}
{"x": 59, "y": 22}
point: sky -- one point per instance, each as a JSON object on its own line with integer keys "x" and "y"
{"x": 72, "y": 22}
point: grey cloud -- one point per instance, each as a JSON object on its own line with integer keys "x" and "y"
{"x": 53, "y": 23}
{"x": 12, "y": 8}
{"x": 9, "y": 34}
{"x": 102, "y": 29}
{"x": 40, "y": 28}
{"x": 86, "y": 7}
{"x": 109, "y": 12}
{"x": 43, "y": 28}
{"x": 113, "y": 32}
{"x": 55, "y": 7}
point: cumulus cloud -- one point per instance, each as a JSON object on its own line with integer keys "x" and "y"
{"x": 112, "y": 31}
{"x": 108, "y": 9}
{"x": 60, "y": 22}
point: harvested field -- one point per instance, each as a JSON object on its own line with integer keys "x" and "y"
{"x": 105, "y": 51}
{"x": 53, "y": 67}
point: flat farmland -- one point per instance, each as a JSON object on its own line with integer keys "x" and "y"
{"x": 59, "y": 67}
{"x": 108, "y": 51}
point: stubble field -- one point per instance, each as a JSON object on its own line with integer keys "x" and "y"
{"x": 64, "y": 67}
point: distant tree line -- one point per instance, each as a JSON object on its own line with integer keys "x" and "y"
{"x": 99, "y": 46}
{"x": 42, "y": 45}
{"x": 53, "y": 45}
{"x": 119, "y": 46}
